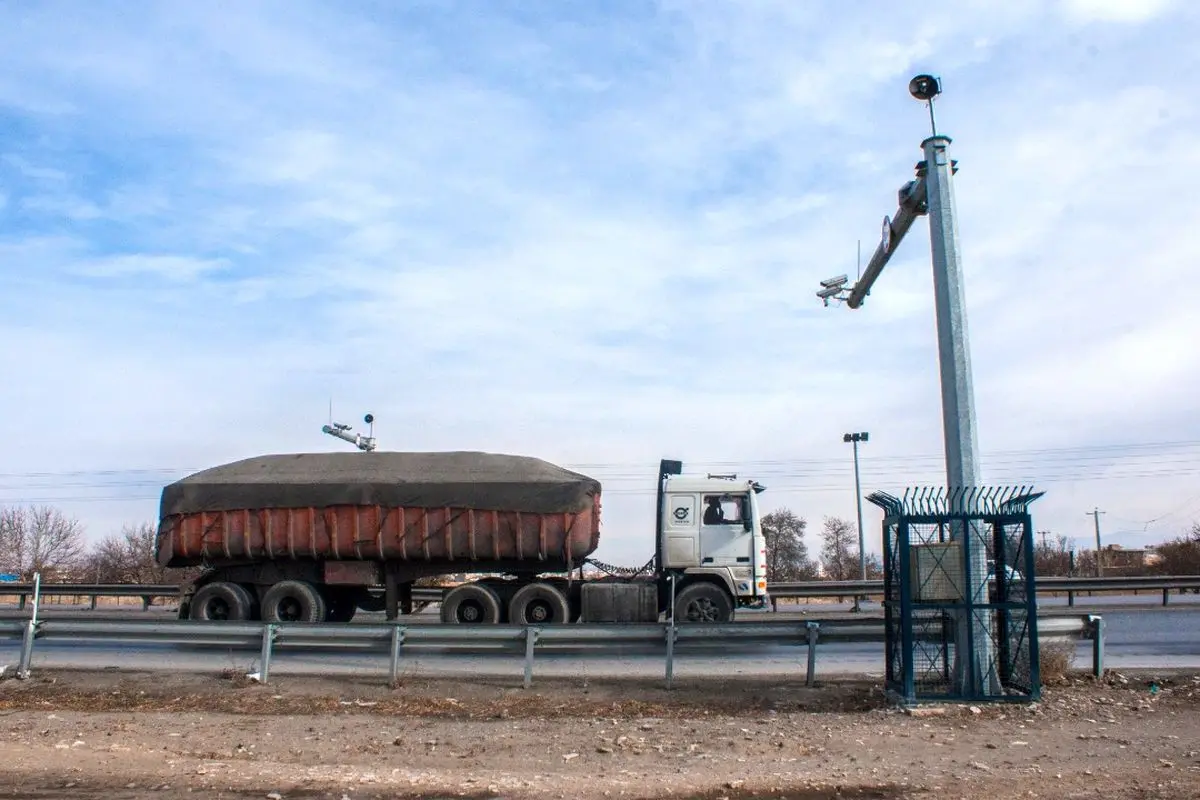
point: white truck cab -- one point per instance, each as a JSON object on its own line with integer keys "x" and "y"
{"x": 710, "y": 531}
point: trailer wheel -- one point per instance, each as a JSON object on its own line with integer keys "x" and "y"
{"x": 221, "y": 601}
{"x": 293, "y": 601}
{"x": 539, "y": 604}
{"x": 340, "y": 604}
{"x": 471, "y": 604}
{"x": 703, "y": 602}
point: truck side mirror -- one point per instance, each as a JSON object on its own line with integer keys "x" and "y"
{"x": 748, "y": 524}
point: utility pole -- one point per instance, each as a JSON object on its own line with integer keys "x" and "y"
{"x": 1095, "y": 515}
{"x": 862, "y": 552}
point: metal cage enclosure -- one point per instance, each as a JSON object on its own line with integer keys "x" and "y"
{"x": 960, "y": 601}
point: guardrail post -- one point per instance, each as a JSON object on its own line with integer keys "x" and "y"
{"x": 531, "y": 637}
{"x": 268, "y": 639}
{"x": 670, "y": 632}
{"x": 92, "y": 607}
{"x": 31, "y": 631}
{"x": 397, "y": 641}
{"x": 1166, "y": 594}
{"x": 1070, "y": 598}
{"x": 814, "y": 629}
{"x": 21, "y": 598}
{"x": 1097, "y": 623}
{"x": 146, "y": 600}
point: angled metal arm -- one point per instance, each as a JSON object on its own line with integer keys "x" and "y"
{"x": 912, "y": 205}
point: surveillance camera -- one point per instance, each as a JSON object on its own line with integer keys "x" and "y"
{"x": 831, "y": 283}
{"x": 369, "y": 418}
{"x": 828, "y": 292}
{"x": 925, "y": 87}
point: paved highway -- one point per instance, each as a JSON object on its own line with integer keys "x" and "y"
{"x": 1149, "y": 637}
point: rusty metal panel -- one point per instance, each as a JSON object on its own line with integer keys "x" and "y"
{"x": 353, "y": 573}
{"x": 375, "y": 533}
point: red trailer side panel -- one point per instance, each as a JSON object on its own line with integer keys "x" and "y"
{"x": 360, "y": 532}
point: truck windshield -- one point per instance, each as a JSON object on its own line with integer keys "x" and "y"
{"x": 725, "y": 509}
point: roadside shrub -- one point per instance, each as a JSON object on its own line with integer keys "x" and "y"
{"x": 1056, "y": 658}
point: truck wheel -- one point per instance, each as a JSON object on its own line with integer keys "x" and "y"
{"x": 539, "y": 604}
{"x": 471, "y": 604}
{"x": 293, "y": 601}
{"x": 340, "y": 604}
{"x": 703, "y": 602}
{"x": 221, "y": 601}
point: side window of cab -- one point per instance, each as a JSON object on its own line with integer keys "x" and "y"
{"x": 723, "y": 509}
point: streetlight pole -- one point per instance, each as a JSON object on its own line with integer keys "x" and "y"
{"x": 855, "y": 438}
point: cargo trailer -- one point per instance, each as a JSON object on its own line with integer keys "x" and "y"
{"x": 315, "y": 537}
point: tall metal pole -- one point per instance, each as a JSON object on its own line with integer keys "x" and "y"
{"x": 862, "y": 554}
{"x": 958, "y": 403}
{"x": 855, "y": 438}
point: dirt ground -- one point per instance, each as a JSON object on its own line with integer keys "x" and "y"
{"x": 140, "y": 736}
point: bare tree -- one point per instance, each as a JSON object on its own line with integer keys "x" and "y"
{"x": 126, "y": 557}
{"x": 1180, "y": 556}
{"x": 787, "y": 553}
{"x": 1052, "y": 558}
{"x": 839, "y": 554}
{"x": 12, "y": 539}
{"x": 40, "y": 539}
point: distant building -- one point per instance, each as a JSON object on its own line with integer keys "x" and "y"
{"x": 1117, "y": 560}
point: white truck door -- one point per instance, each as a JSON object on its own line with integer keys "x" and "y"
{"x": 681, "y": 526}
{"x": 725, "y": 542}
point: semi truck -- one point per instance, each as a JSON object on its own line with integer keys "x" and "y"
{"x": 316, "y": 537}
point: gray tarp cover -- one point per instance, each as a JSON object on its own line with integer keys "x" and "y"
{"x": 457, "y": 479}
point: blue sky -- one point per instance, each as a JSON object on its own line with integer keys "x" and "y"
{"x": 595, "y": 237}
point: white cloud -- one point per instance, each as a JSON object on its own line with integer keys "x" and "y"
{"x": 173, "y": 268}
{"x": 1116, "y": 10}
{"x": 591, "y": 240}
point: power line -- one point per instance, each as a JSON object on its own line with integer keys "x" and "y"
{"x": 997, "y": 457}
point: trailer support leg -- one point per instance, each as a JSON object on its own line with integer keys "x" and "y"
{"x": 391, "y": 596}
{"x": 406, "y": 601}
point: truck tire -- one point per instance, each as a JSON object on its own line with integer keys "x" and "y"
{"x": 703, "y": 602}
{"x": 221, "y": 601}
{"x": 471, "y": 604}
{"x": 539, "y": 604}
{"x": 340, "y": 604}
{"x": 293, "y": 601}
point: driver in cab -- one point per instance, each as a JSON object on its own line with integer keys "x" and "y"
{"x": 715, "y": 514}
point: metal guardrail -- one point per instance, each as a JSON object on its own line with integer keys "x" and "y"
{"x": 1045, "y": 585}
{"x": 793, "y": 589}
{"x": 396, "y": 639}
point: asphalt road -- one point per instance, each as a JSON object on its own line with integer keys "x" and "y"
{"x": 1146, "y": 637}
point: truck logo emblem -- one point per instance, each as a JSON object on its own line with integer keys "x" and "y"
{"x": 681, "y": 513}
